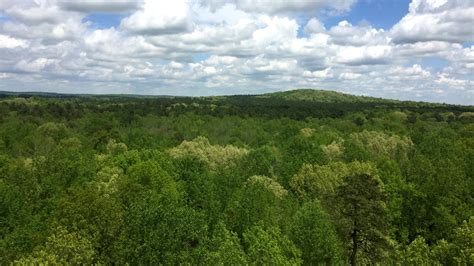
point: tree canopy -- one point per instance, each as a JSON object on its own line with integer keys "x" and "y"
{"x": 295, "y": 178}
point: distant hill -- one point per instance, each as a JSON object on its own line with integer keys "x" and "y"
{"x": 309, "y": 96}
{"x": 323, "y": 96}
{"x": 76, "y": 95}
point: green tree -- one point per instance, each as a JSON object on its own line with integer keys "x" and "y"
{"x": 375, "y": 144}
{"x": 270, "y": 247}
{"x": 62, "y": 247}
{"x": 224, "y": 248}
{"x": 261, "y": 199}
{"x": 214, "y": 155}
{"x": 362, "y": 213}
{"x": 319, "y": 181}
{"x": 417, "y": 253}
{"x": 97, "y": 215}
{"x": 464, "y": 243}
{"x": 262, "y": 161}
{"x": 159, "y": 229}
{"x": 312, "y": 231}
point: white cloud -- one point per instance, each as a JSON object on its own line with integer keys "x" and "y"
{"x": 441, "y": 20}
{"x": 221, "y": 60}
{"x": 454, "y": 83}
{"x": 404, "y": 73}
{"x": 210, "y": 70}
{"x": 226, "y": 14}
{"x": 349, "y": 76}
{"x": 429, "y": 48}
{"x": 176, "y": 65}
{"x": 69, "y": 29}
{"x": 35, "y": 65}
{"x": 364, "y": 55}
{"x": 10, "y": 43}
{"x": 277, "y": 30}
{"x": 283, "y": 6}
{"x": 160, "y": 17}
{"x": 114, "y": 45}
{"x": 326, "y": 73}
{"x": 345, "y": 33}
{"x": 242, "y": 46}
{"x": 314, "y": 26}
{"x": 36, "y": 14}
{"x": 140, "y": 71}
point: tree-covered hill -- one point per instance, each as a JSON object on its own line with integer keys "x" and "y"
{"x": 322, "y": 96}
{"x": 293, "y": 178}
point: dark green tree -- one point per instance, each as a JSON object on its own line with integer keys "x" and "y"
{"x": 362, "y": 212}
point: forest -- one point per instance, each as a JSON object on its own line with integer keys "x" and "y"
{"x": 302, "y": 177}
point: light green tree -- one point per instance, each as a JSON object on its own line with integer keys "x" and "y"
{"x": 317, "y": 181}
{"x": 417, "y": 253}
{"x": 378, "y": 144}
{"x": 270, "y": 247}
{"x": 214, "y": 155}
{"x": 62, "y": 248}
{"x": 464, "y": 243}
{"x": 224, "y": 248}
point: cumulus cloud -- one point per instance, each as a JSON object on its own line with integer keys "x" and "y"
{"x": 460, "y": 84}
{"x": 429, "y": 48}
{"x": 404, "y": 73}
{"x": 277, "y": 30}
{"x": 34, "y": 65}
{"x": 36, "y": 14}
{"x": 364, "y": 55}
{"x": 326, "y": 73}
{"x": 349, "y": 76}
{"x": 157, "y": 17}
{"x": 283, "y": 6}
{"x": 314, "y": 26}
{"x": 201, "y": 47}
{"x": 436, "y": 20}
{"x": 68, "y": 29}
{"x": 10, "y": 43}
{"x": 345, "y": 33}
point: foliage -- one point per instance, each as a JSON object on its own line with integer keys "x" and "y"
{"x": 214, "y": 155}
{"x": 318, "y": 181}
{"x": 270, "y": 247}
{"x": 300, "y": 177}
{"x": 62, "y": 247}
{"x": 225, "y": 248}
{"x": 260, "y": 200}
{"x": 379, "y": 144}
{"x": 313, "y": 232}
{"x": 362, "y": 213}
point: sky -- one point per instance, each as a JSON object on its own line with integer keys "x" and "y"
{"x": 420, "y": 50}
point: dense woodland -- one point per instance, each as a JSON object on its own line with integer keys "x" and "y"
{"x": 301, "y": 177}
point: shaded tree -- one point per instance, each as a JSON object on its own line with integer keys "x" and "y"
{"x": 362, "y": 213}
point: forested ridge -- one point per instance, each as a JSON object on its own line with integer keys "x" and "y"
{"x": 294, "y": 178}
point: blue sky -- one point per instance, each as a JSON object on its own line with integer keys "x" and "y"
{"x": 379, "y": 13}
{"x": 413, "y": 50}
